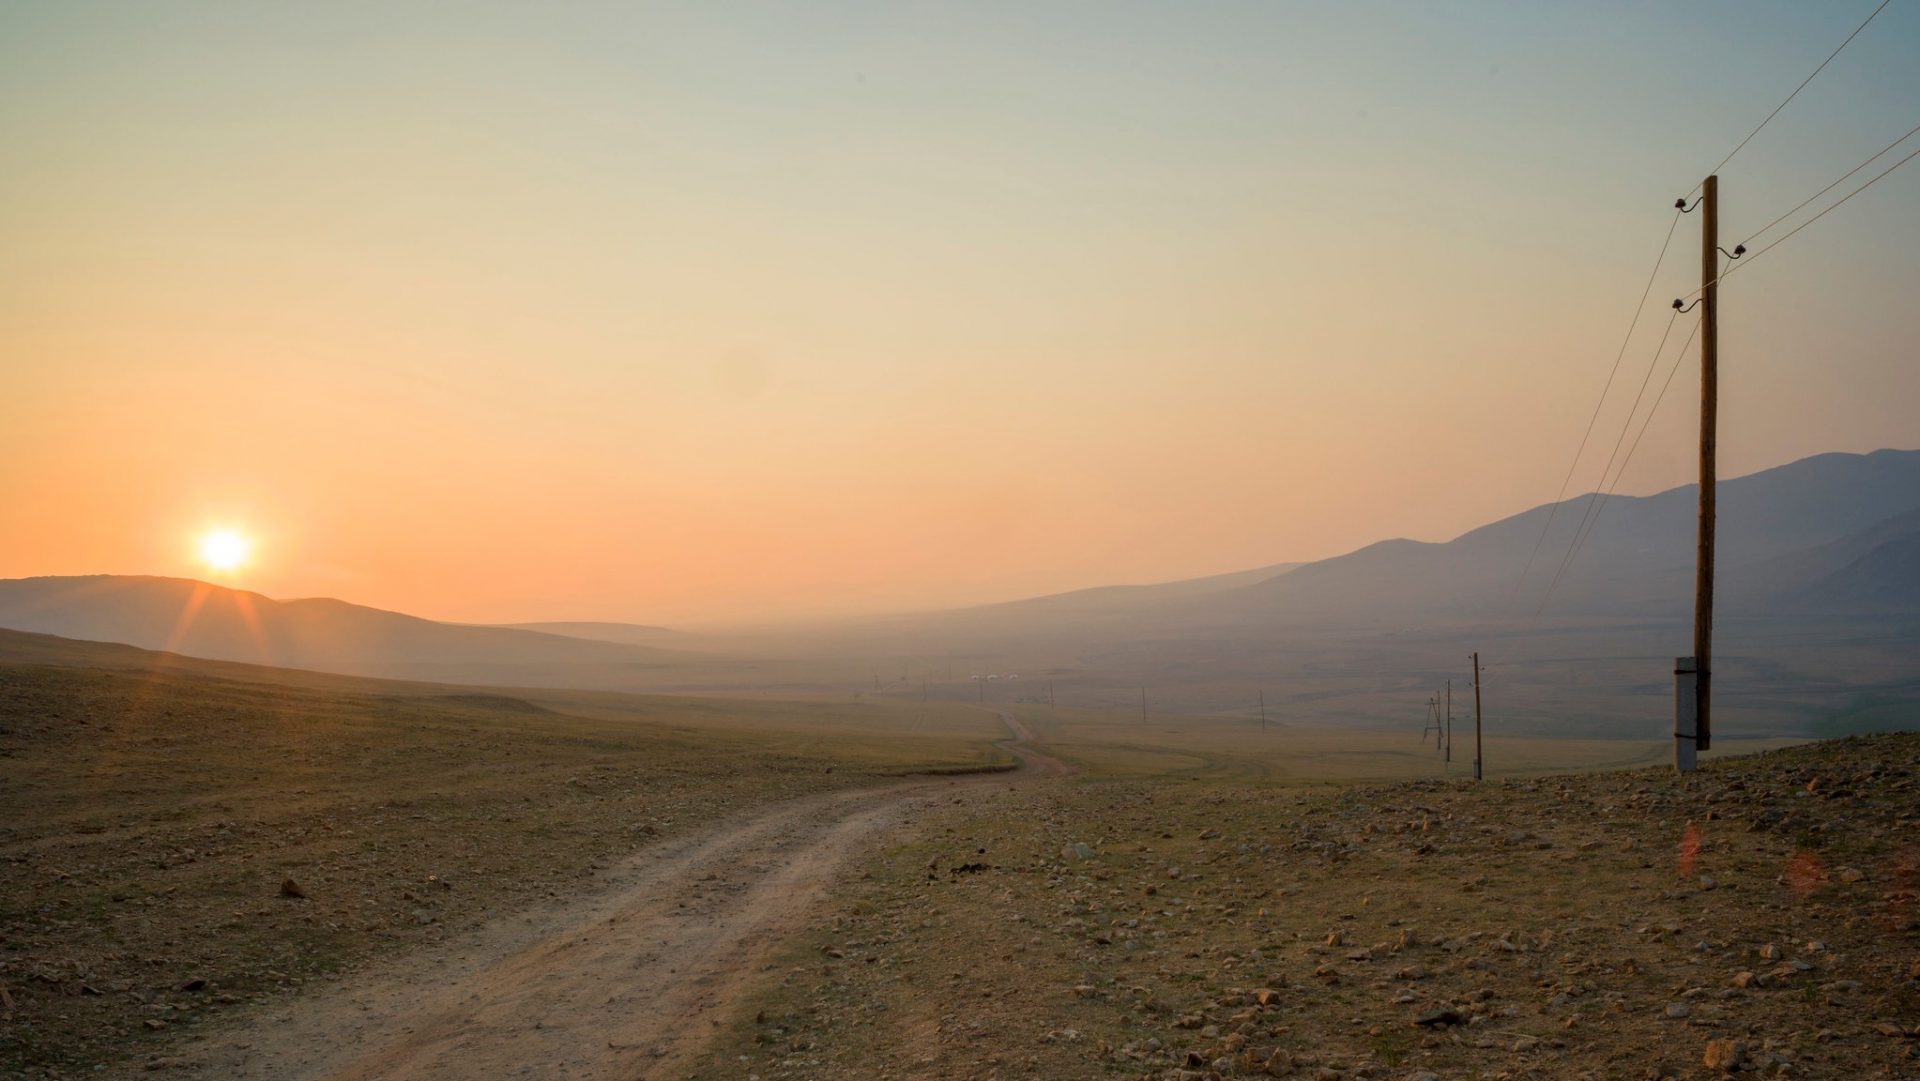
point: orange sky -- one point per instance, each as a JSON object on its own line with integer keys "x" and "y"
{"x": 686, "y": 315}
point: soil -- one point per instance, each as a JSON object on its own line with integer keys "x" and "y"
{"x": 630, "y": 981}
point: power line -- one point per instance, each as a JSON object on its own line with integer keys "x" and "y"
{"x": 1580, "y": 542}
{"x": 1762, "y": 231}
{"x": 1797, "y": 89}
{"x": 1591, "y": 513}
{"x": 1749, "y": 257}
{"x": 1653, "y": 365}
{"x": 1658, "y": 398}
{"x": 1638, "y": 310}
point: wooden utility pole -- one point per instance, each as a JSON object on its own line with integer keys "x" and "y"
{"x": 1449, "y": 734}
{"x": 1263, "y": 710}
{"x": 1050, "y": 703}
{"x": 1476, "y": 715}
{"x": 1709, "y": 425}
{"x": 1143, "y": 705}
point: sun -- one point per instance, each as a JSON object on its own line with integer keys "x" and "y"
{"x": 224, "y": 550}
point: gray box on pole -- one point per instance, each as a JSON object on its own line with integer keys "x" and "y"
{"x": 1686, "y": 713}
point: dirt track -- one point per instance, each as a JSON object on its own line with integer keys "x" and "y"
{"x": 625, "y": 983}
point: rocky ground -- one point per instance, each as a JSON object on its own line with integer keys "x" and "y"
{"x": 1758, "y": 917}
{"x": 176, "y": 849}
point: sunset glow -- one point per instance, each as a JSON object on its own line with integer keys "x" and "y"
{"x": 224, "y": 551}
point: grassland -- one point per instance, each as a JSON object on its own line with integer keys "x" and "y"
{"x": 1111, "y": 744}
{"x": 152, "y": 807}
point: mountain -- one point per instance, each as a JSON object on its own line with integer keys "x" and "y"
{"x": 634, "y": 634}
{"x": 1637, "y": 559}
{"x": 199, "y": 619}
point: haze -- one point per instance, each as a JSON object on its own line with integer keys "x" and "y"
{"x": 712, "y": 312}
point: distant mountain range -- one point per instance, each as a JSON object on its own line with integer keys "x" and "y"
{"x": 1826, "y": 549}
{"x": 198, "y": 619}
{"x": 1819, "y": 534}
{"x": 635, "y": 634}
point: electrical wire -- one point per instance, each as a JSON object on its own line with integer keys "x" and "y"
{"x": 1587, "y": 515}
{"x": 1749, "y": 257}
{"x": 1797, "y": 89}
{"x": 1762, "y": 231}
{"x": 1581, "y": 542}
{"x": 1554, "y": 508}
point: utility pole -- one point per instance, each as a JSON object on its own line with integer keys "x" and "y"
{"x": 1476, "y": 715}
{"x": 1050, "y": 703}
{"x": 1709, "y": 431}
{"x": 1449, "y": 733}
{"x": 1143, "y": 705}
{"x": 1263, "y": 710}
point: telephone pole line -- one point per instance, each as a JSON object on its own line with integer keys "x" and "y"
{"x": 1476, "y": 715}
{"x": 1143, "y": 705}
{"x": 1449, "y": 733}
{"x": 1693, "y": 676}
{"x": 1709, "y": 431}
{"x": 1263, "y": 710}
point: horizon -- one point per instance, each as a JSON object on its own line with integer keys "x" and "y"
{"x": 803, "y": 619}
{"x": 674, "y": 317}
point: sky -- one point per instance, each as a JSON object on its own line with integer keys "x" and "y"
{"x": 714, "y": 312}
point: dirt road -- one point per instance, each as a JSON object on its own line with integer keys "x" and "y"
{"x": 626, "y": 983}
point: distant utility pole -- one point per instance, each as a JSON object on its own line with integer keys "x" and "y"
{"x": 1476, "y": 715}
{"x": 1263, "y": 710}
{"x": 1050, "y": 702}
{"x": 1449, "y": 732}
{"x": 1143, "y": 705}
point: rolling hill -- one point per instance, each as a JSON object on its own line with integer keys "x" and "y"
{"x": 199, "y": 619}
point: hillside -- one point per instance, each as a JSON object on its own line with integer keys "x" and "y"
{"x": 1638, "y": 558}
{"x": 204, "y": 620}
{"x": 154, "y": 805}
{"x": 633, "y": 634}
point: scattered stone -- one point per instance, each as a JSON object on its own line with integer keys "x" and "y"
{"x": 1725, "y": 1055}
{"x": 1440, "y": 1018}
{"x": 290, "y": 888}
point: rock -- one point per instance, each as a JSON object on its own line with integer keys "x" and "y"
{"x": 290, "y": 888}
{"x": 1849, "y": 874}
{"x": 193, "y": 984}
{"x": 1748, "y": 979}
{"x": 1679, "y": 1010}
{"x": 1407, "y": 940}
{"x": 1525, "y": 1044}
{"x": 1440, "y": 1018}
{"x": 1080, "y": 850}
{"x": 1725, "y": 1055}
